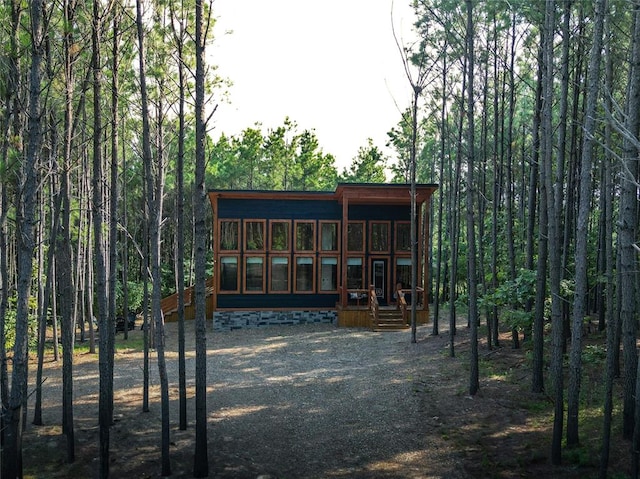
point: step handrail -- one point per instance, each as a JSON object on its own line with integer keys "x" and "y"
{"x": 374, "y": 307}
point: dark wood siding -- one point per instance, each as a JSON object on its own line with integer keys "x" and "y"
{"x": 280, "y": 209}
{"x": 379, "y": 212}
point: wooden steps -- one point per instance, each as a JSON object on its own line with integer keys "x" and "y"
{"x": 389, "y": 320}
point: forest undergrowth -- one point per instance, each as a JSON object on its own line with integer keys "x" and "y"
{"x": 505, "y": 430}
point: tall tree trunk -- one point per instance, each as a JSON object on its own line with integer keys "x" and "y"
{"x": 511, "y": 253}
{"x": 179, "y": 32}
{"x": 25, "y": 218}
{"x": 537, "y": 374}
{"x": 113, "y": 205}
{"x": 105, "y": 323}
{"x": 442, "y": 195}
{"x": 471, "y": 235}
{"x": 154, "y": 197}
{"x": 627, "y": 235}
{"x": 553, "y": 232}
{"x": 627, "y": 229}
{"x": 454, "y": 228}
{"x": 201, "y": 455}
{"x": 611, "y": 319}
{"x": 581, "y": 286}
{"x": 10, "y": 117}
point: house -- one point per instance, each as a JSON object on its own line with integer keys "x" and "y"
{"x": 284, "y": 257}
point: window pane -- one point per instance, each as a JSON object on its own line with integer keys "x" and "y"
{"x": 229, "y": 235}
{"x": 328, "y": 274}
{"x": 403, "y": 272}
{"x": 255, "y": 235}
{"x": 379, "y": 237}
{"x": 403, "y": 237}
{"x": 329, "y": 237}
{"x": 355, "y": 236}
{"x": 228, "y": 274}
{"x": 304, "y": 236}
{"x": 280, "y": 236}
{"x": 255, "y": 274}
{"x": 280, "y": 274}
{"x": 354, "y": 273}
{"x": 304, "y": 274}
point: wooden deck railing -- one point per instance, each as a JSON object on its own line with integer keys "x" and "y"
{"x": 374, "y": 307}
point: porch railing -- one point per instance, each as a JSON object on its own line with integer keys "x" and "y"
{"x": 374, "y": 307}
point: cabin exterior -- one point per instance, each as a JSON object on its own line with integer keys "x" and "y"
{"x": 284, "y": 257}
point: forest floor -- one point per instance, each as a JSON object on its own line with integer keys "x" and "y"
{"x": 318, "y": 401}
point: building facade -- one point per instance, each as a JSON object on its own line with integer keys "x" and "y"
{"x": 284, "y": 257}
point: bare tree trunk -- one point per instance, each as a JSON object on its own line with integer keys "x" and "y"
{"x": 113, "y": 214}
{"x": 154, "y": 197}
{"x": 442, "y": 196}
{"x": 627, "y": 231}
{"x": 201, "y": 455}
{"x": 575, "y": 361}
{"x": 537, "y": 376}
{"x": 11, "y": 117}
{"x": 627, "y": 225}
{"x": 474, "y": 383}
{"x": 553, "y": 231}
{"x": 25, "y": 217}
{"x": 105, "y": 323}
{"x": 179, "y": 32}
{"x": 612, "y": 320}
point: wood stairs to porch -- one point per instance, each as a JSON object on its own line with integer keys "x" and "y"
{"x": 389, "y": 320}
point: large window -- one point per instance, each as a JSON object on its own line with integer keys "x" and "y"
{"x": 305, "y": 235}
{"x": 229, "y": 235}
{"x": 254, "y": 274}
{"x": 380, "y": 237}
{"x": 355, "y": 236}
{"x": 254, "y": 232}
{"x": 355, "y": 273}
{"x": 279, "y": 274}
{"x": 329, "y": 236}
{"x": 229, "y": 274}
{"x": 280, "y": 235}
{"x": 403, "y": 272}
{"x": 304, "y": 274}
{"x": 403, "y": 236}
{"x": 329, "y": 273}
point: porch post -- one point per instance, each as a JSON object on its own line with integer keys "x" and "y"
{"x": 343, "y": 271}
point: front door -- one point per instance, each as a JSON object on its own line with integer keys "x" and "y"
{"x": 379, "y": 279}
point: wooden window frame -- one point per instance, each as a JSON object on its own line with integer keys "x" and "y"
{"x": 289, "y": 235}
{"x": 364, "y": 235}
{"x": 264, "y": 232}
{"x": 395, "y": 271}
{"x": 219, "y": 270}
{"x": 328, "y": 291}
{"x": 381, "y": 251}
{"x": 270, "y": 274}
{"x": 363, "y": 282}
{"x": 295, "y": 236}
{"x": 229, "y": 220}
{"x": 321, "y": 223}
{"x": 313, "y": 273}
{"x": 244, "y": 275}
{"x": 396, "y": 241}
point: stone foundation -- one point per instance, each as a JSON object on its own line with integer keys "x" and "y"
{"x": 230, "y": 320}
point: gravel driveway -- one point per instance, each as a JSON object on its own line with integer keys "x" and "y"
{"x": 310, "y": 401}
{"x": 318, "y": 401}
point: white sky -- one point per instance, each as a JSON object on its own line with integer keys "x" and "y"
{"x": 329, "y": 65}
